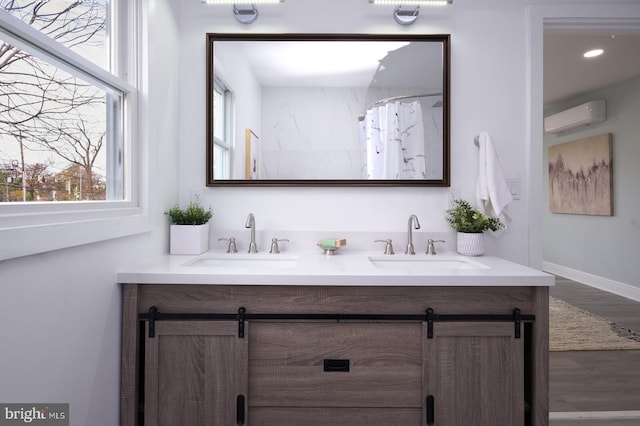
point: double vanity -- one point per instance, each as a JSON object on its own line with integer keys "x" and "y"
{"x": 355, "y": 338}
{"x": 322, "y": 337}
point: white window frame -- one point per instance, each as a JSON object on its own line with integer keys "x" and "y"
{"x": 31, "y": 228}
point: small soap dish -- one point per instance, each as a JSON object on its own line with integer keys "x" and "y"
{"x": 329, "y": 251}
{"x": 330, "y": 246}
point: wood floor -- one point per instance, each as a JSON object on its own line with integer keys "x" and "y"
{"x": 596, "y": 381}
{"x": 629, "y": 422}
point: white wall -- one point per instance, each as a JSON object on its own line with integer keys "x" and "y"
{"x": 60, "y": 311}
{"x": 488, "y": 46}
{"x": 605, "y": 246}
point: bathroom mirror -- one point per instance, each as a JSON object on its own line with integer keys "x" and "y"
{"x": 327, "y": 109}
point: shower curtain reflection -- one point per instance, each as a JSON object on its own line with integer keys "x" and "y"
{"x": 395, "y": 139}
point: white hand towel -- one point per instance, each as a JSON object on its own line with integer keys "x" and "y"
{"x": 492, "y": 189}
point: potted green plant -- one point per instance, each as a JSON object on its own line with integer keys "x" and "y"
{"x": 470, "y": 224}
{"x": 189, "y": 232}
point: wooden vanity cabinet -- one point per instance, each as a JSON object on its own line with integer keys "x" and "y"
{"x": 293, "y": 372}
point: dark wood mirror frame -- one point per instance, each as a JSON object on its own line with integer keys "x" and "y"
{"x": 446, "y": 107}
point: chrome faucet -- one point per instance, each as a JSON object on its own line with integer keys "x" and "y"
{"x": 251, "y": 224}
{"x": 413, "y": 221}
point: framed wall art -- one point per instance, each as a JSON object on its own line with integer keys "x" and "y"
{"x": 581, "y": 176}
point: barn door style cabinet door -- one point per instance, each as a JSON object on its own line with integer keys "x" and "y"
{"x": 474, "y": 375}
{"x": 195, "y": 374}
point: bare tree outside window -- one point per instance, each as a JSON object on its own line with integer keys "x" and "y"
{"x": 54, "y": 124}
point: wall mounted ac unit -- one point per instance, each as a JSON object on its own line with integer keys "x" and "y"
{"x": 581, "y": 115}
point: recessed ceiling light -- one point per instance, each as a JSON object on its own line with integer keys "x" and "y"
{"x": 593, "y": 53}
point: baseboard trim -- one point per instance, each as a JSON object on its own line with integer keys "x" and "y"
{"x": 595, "y": 415}
{"x": 615, "y": 287}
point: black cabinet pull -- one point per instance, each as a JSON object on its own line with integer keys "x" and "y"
{"x": 340, "y": 365}
{"x": 430, "y": 410}
{"x": 240, "y": 410}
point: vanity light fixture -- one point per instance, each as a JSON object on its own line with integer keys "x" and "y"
{"x": 245, "y": 13}
{"x": 407, "y": 11}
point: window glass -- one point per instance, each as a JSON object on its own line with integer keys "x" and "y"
{"x": 60, "y": 130}
{"x": 70, "y": 163}
{"x": 82, "y": 26}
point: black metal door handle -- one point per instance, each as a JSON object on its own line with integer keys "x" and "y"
{"x": 430, "y": 410}
{"x": 240, "y": 410}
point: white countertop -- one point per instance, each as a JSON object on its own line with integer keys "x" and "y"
{"x": 348, "y": 268}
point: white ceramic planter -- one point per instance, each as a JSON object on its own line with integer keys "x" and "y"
{"x": 470, "y": 244}
{"x": 189, "y": 239}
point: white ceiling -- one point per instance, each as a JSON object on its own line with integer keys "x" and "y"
{"x": 567, "y": 73}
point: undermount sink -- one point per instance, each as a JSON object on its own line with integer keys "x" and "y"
{"x": 245, "y": 261}
{"x": 425, "y": 263}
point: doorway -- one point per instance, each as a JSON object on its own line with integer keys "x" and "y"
{"x": 550, "y": 91}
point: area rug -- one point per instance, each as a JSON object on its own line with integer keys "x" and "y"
{"x": 574, "y": 329}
